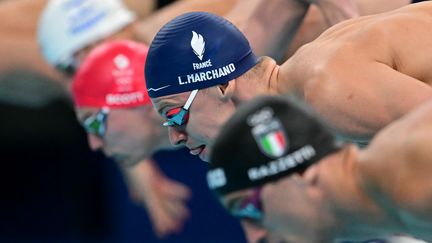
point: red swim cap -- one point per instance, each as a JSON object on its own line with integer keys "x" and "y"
{"x": 112, "y": 75}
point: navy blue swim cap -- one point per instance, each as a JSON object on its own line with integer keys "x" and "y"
{"x": 196, "y": 50}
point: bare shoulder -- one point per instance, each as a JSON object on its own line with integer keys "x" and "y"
{"x": 348, "y": 59}
{"x": 401, "y": 145}
{"x": 325, "y": 54}
{"x": 397, "y": 165}
{"x": 369, "y": 30}
{"x": 412, "y": 132}
{"x": 424, "y": 7}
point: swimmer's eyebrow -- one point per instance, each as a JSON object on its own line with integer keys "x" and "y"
{"x": 164, "y": 105}
{"x": 162, "y": 109}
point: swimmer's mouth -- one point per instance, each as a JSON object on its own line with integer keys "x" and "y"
{"x": 197, "y": 150}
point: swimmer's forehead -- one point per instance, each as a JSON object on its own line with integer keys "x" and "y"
{"x": 164, "y": 103}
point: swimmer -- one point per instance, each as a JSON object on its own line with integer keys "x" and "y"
{"x": 112, "y": 104}
{"x": 357, "y": 92}
{"x": 277, "y": 166}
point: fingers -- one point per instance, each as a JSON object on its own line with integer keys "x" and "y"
{"x": 167, "y": 213}
{"x": 175, "y": 190}
{"x": 177, "y": 209}
{"x": 164, "y": 199}
{"x": 163, "y": 223}
{"x": 166, "y": 205}
{"x": 173, "y": 198}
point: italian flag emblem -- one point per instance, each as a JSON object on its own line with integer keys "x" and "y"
{"x": 271, "y": 138}
{"x": 274, "y": 143}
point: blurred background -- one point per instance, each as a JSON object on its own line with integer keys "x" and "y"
{"x": 53, "y": 187}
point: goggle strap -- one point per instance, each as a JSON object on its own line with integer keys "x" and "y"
{"x": 190, "y": 99}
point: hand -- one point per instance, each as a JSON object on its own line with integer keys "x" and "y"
{"x": 163, "y": 198}
{"x": 335, "y": 11}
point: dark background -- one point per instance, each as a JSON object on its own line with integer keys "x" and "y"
{"x": 53, "y": 188}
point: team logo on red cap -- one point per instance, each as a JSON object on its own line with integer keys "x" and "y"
{"x": 123, "y": 73}
{"x": 121, "y": 61}
{"x": 268, "y": 133}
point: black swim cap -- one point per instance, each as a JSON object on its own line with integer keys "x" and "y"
{"x": 266, "y": 139}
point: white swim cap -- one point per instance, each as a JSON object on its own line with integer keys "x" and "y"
{"x": 66, "y": 26}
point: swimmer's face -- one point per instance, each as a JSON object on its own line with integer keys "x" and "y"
{"x": 289, "y": 207}
{"x": 246, "y": 205}
{"x": 69, "y": 70}
{"x": 200, "y": 124}
{"x": 126, "y": 135}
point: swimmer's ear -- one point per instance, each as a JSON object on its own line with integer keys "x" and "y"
{"x": 227, "y": 89}
{"x": 310, "y": 175}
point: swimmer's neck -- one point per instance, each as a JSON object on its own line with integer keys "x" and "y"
{"x": 263, "y": 79}
{"x": 258, "y": 81}
{"x": 282, "y": 83}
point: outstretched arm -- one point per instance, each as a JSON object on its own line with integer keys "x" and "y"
{"x": 316, "y": 22}
{"x": 269, "y": 25}
{"x": 358, "y": 96}
{"x": 18, "y": 24}
{"x": 396, "y": 169}
{"x": 147, "y": 28}
{"x": 335, "y": 11}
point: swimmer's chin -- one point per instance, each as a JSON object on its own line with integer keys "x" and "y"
{"x": 205, "y": 154}
{"x": 201, "y": 151}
